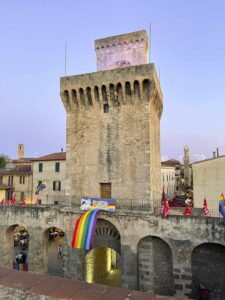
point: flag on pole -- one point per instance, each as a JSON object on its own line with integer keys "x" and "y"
{"x": 23, "y": 202}
{"x": 41, "y": 186}
{"x": 165, "y": 209}
{"x": 222, "y": 205}
{"x": 187, "y": 211}
{"x": 205, "y": 208}
{"x": 13, "y": 200}
{"x": 2, "y": 202}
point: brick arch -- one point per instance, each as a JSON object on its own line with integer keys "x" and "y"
{"x": 106, "y": 234}
{"x": 155, "y": 266}
{"x": 207, "y": 264}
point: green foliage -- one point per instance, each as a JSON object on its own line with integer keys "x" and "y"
{"x": 3, "y": 160}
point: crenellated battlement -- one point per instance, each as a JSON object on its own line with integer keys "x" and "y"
{"x": 137, "y": 84}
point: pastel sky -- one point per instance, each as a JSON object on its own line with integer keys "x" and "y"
{"x": 188, "y": 49}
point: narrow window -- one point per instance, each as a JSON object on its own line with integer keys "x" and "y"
{"x": 40, "y": 167}
{"x": 56, "y": 185}
{"x": 57, "y": 167}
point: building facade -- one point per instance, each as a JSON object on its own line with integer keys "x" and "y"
{"x": 51, "y": 169}
{"x": 209, "y": 183}
{"x": 113, "y": 124}
{"x": 168, "y": 179}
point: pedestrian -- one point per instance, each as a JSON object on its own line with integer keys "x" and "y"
{"x": 60, "y": 251}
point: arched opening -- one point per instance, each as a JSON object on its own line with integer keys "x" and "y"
{"x": 96, "y": 93}
{"x": 112, "y": 94}
{"x": 89, "y": 97}
{"x": 128, "y": 91}
{"x": 103, "y": 262}
{"x": 119, "y": 93}
{"x": 104, "y": 94}
{"x": 17, "y": 247}
{"x": 54, "y": 251}
{"x": 82, "y": 97}
{"x": 74, "y": 97}
{"x": 146, "y": 89}
{"x": 65, "y": 98}
{"x": 155, "y": 266}
{"x": 208, "y": 272}
{"x": 136, "y": 90}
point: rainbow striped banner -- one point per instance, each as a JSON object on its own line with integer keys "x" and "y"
{"x": 222, "y": 205}
{"x": 84, "y": 230}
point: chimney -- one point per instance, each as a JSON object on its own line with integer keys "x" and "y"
{"x": 20, "y": 151}
{"x": 214, "y": 154}
{"x": 217, "y": 151}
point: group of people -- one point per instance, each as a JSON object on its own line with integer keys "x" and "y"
{"x": 21, "y": 258}
{"x": 54, "y": 233}
{"x": 21, "y": 239}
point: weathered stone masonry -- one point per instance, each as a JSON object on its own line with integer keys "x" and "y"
{"x": 113, "y": 133}
{"x": 172, "y": 247}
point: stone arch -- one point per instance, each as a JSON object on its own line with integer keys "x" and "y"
{"x": 106, "y": 234}
{"x": 82, "y": 97}
{"x": 146, "y": 89}
{"x": 137, "y": 92}
{"x": 16, "y": 247}
{"x": 66, "y": 99}
{"x": 96, "y": 93}
{"x": 207, "y": 263}
{"x": 155, "y": 266}
{"x": 89, "y": 96}
{"x": 103, "y": 262}
{"x": 112, "y": 94}
{"x": 53, "y": 262}
{"x": 128, "y": 91}
{"x": 119, "y": 91}
{"x": 74, "y": 97}
{"x": 104, "y": 94}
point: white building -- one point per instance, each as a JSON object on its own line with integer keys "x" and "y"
{"x": 209, "y": 182}
{"x": 168, "y": 179}
{"x": 50, "y": 168}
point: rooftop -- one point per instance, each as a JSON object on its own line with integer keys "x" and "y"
{"x": 53, "y": 156}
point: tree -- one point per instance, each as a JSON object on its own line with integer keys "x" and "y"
{"x": 3, "y": 160}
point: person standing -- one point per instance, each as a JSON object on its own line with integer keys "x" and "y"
{"x": 60, "y": 251}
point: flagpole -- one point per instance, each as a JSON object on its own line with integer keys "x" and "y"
{"x": 65, "y": 58}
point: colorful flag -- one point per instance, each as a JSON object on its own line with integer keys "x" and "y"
{"x": 222, "y": 205}
{"x": 23, "y": 202}
{"x": 187, "y": 211}
{"x": 13, "y": 200}
{"x": 205, "y": 208}
{"x": 36, "y": 198}
{"x": 165, "y": 209}
{"x": 3, "y": 200}
{"x": 41, "y": 186}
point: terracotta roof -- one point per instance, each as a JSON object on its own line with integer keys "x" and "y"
{"x": 53, "y": 156}
{"x": 171, "y": 163}
{"x": 23, "y": 160}
{"x": 23, "y": 170}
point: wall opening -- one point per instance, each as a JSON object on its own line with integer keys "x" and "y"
{"x": 208, "y": 272}
{"x": 54, "y": 251}
{"x": 103, "y": 262}
{"x": 155, "y": 266}
{"x": 106, "y": 108}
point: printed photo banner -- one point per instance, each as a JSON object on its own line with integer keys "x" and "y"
{"x": 98, "y": 203}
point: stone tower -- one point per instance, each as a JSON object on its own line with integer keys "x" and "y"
{"x": 20, "y": 151}
{"x": 186, "y": 165}
{"x": 113, "y": 124}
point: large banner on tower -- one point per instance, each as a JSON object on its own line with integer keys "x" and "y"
{"x": 98, "y": 203}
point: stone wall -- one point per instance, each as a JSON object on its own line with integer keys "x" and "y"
{"x": 176, "y": 240}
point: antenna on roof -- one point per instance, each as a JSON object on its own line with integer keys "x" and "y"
{"x": 150, "y": 40}
{"x": 65, "y": 58}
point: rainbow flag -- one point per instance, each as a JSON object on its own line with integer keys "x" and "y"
{"x": 222, "y": 205}
{"x": 84, "y": 230}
